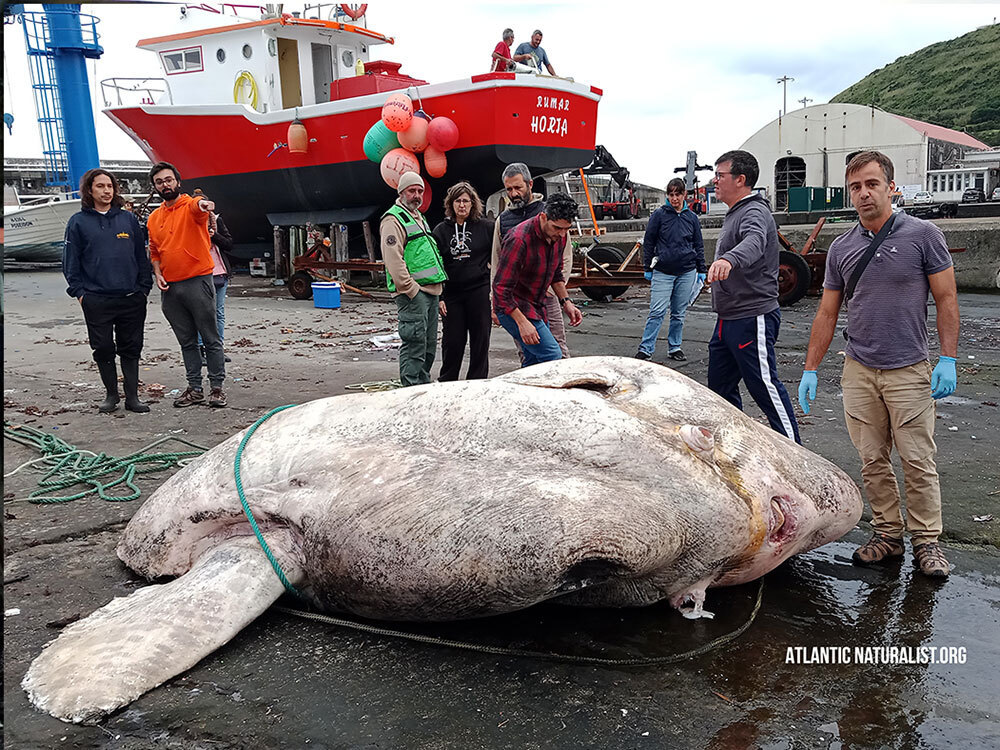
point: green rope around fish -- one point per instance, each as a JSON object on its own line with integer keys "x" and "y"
{"x": 246, "y": 506}
{"x": 66, "y": 467}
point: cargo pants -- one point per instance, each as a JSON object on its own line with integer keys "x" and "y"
{"x": 886, "y": 407}
{"x": 418, "y": 325}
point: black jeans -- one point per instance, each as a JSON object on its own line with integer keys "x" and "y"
{"x": 189, "y": 307}
{"x": 468, "y": 316}
{"x": 115, "y": 324}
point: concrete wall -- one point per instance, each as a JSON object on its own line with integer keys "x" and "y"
{"x": 975, "y": 269}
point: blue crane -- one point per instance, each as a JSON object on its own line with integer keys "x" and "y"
{"x": 58, "y": 42}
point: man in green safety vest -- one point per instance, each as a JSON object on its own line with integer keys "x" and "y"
{"x": 415, "y": 275}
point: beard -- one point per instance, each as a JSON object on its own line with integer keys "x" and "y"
{"x": 519, "y": 200}
{"x": 169, "y": 195}
{"x": 415, "y": 203}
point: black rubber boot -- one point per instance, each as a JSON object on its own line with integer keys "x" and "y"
{"x": 130, "y": 376}
{"x": 109, "y": 376}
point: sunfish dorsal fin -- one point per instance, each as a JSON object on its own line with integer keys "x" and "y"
{"x": 134, "y": 643}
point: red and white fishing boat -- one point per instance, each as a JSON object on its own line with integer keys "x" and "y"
{"x": 233, "y": 90}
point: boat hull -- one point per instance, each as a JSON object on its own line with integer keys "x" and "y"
{"x": 257, "y": 183}
{"x": 35, "y": 234}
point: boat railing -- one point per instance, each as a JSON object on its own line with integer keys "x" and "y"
{"x": 330, "y": 12}
{"x": 129, "y": 92}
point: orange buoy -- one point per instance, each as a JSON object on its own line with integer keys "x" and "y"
{"x": 435, "y": 162}
{"x": 298, "y": 138}
{"x": 352, "y": 12}
{"x": 414, "y": 138}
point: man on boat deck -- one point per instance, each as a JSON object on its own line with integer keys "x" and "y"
{"x": 502, "y": 58}
{"x": 182, "y": 264}
{"x": 415, "y": 275}
{"x": 533, "y": 50}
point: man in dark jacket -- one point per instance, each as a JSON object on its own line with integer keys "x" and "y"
{"x": 109, "y": 273}
{"x": 744, "y": 279}
{"x": 673, "y": 256}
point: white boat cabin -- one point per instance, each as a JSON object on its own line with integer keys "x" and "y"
{"x": 273, "y": 64}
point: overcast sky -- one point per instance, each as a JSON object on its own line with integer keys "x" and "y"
{"x": 698, "y": 75}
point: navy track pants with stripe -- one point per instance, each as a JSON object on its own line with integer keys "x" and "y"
{"x": 743, "y": 349}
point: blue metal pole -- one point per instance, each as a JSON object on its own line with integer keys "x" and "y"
{"x": 69, "y": 52}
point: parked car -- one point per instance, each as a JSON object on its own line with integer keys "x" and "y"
{"x": 996, "y": 193}
{"x": 973, "y": 195}
{"x": 922, "y": 198}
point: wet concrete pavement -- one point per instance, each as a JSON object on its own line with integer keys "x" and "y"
{"x": 286, "y": 682}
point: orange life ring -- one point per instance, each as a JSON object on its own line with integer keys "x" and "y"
{"x": 354, "y": 13}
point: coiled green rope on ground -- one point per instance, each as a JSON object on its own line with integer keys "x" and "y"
{"x": 65, "y": 466}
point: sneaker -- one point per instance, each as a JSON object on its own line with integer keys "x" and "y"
{"x": 677, "y": 355}
{"x": 217, "y": 398}
{"x": 226, "y": 358}
{"x": 642, "y": 355}
{"x": 930, "y": 560}
{"x": 877, "y": 549}
{"x": 189, "y": 397}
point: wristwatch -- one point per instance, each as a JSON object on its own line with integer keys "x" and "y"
{"x": 563, "y": 301}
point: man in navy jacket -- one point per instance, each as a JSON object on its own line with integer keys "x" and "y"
{"x": 108, "y": 271}
{"x": 673, "y": 256}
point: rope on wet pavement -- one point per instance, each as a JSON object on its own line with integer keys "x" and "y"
{"x": 643, "y": 661}
{"x": 65, "y": 466}
{"x": 375, "y": 385}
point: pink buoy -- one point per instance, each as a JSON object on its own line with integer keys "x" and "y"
{"x": 414, "y": 138}
{"x": 435, "y": 162}
{"x": 442, "y": 133}
{"x": 427, "y": 197}
{"x": 397, "y": 112}
{"x": 395, "y": 164}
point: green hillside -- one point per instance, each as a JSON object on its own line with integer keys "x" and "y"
{"x": 955, "y": 84}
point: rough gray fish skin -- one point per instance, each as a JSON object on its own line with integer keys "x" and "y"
{"x": 596, "y": 481}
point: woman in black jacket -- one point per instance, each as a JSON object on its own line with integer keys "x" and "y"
{"x": 465, "y": 240}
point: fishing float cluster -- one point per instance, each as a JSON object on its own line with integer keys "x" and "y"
{"x": 394, "y": 141}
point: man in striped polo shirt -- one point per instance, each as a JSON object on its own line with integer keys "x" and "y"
{"x": 889, "y": 388}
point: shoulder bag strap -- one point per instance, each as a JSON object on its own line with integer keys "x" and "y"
{"x": 866, "y": 258}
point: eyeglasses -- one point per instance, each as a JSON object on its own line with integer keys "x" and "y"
{"x": 462, "y": 200}
{"x": 164, "y": 181}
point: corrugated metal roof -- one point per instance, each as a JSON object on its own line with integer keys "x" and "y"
{"x": 941, "y": 133}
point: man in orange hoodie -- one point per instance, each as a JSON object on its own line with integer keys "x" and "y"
{"x": 182, "y": 264}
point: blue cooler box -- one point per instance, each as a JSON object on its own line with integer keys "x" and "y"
{"x": 326, "y": 294}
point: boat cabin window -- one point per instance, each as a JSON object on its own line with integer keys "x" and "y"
{"x": 182, "y": 60}
{"x": 220, "y": 55}
{"x": 247, "y": 51}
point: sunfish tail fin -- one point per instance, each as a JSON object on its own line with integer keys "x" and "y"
{"x": 134, "y": 643}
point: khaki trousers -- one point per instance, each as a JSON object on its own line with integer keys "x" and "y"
{"x": 882, "y": 407}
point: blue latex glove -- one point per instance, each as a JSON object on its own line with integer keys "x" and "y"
{"x": 807, "y": 389}
{"x": 648, "y": 275}
{"x": 700, "y": 279}
{"x": 944, "y": 380}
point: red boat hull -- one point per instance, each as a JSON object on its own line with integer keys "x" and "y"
{"x": 233, "y": 158}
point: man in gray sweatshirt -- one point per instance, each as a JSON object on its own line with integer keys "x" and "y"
{"x": 744, "y": 284}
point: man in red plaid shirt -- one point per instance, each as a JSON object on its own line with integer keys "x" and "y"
{"x": 530, "y": 261}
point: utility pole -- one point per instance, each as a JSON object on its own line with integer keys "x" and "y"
{"x": 784, "y": 92}
{"x": 805, "y": 100}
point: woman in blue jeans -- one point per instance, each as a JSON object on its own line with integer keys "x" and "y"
{"x": 673, "y": 256}
{"x": 222, "y": 246}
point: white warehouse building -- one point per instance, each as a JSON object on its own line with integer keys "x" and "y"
{"x": 811, "y": 147}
